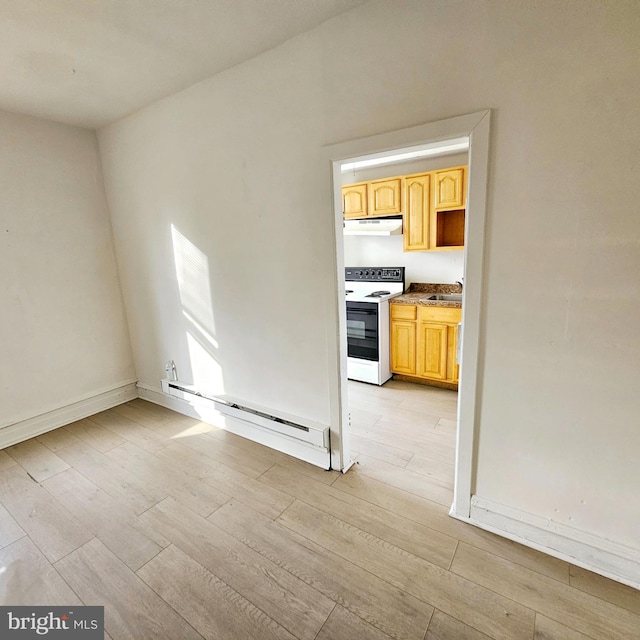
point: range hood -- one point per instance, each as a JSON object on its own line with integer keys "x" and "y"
{"x": 373, "y": 227}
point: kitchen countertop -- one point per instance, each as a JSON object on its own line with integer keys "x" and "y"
{"x": 419, "y": 293}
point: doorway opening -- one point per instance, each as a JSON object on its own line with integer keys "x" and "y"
{"x": 402, "y": 399}
{"x": 421, "y": 149}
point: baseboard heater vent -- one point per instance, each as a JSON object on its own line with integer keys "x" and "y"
{"x": 314, "y": 434}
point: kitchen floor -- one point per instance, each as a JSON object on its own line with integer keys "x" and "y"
{"x": 184, "y": 531}
{"x": 407, "y": 426}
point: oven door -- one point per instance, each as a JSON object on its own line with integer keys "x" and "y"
{"x": 362, "y": 330}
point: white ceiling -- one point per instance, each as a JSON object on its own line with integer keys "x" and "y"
{"x": 90, "y": 62}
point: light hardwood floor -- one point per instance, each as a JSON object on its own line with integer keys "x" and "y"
{"x": 185, "y": 531}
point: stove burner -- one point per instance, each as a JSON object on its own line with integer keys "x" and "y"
{"x": 378, "y": 294}
{"x": 349, "y": 291}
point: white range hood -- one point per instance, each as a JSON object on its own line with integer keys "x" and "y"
{"x": 373, "y": 227}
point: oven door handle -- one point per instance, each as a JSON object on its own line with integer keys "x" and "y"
{"x": 362, "y": 312}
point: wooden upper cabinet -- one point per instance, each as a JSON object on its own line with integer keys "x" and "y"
{"x": 385, "y": 197}
{"x": 416, "y": 214}
{"x": 432, "y": 204}
{"x": 354, "y": 200}
{"x": 449, "y": 189}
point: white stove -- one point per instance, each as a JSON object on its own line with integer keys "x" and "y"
{"x": 366, "y": 295}
{"x": 368, "y": 291}
{"x": 373, "y": 284}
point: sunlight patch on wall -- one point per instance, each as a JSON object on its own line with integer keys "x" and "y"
{"x": 203, "y": 334}
{"x": 206, "y": 372}
{"x": 192, "y": 271}
{"x": 194, "y": 285}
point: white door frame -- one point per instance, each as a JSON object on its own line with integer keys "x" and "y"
{"x": 475, "y": 126}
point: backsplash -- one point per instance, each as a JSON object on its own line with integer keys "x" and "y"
{"x": 387, "y": 251}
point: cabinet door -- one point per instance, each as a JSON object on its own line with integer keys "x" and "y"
{"x": 416, "y": 215}
{"x": 385, "y": 197}
{"x": 449, "y": 189}
{"x": 354, "y": 200}
{"x": 432, "y": 351}
{"x": 452, "y": 367}
{"x": 403, "y": 346}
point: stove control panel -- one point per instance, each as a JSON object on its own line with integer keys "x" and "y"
{"x": 374, "y": 274}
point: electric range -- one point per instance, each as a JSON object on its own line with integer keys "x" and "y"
{"x": 368, "y": 291}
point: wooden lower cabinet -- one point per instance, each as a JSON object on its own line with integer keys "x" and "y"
{"x": 403, "y": 338}
{"x": 452, "y": 344}
{"x": 432, "y": 351}
{"x": 403, "y": 350}
{"x": 423, "y": 342}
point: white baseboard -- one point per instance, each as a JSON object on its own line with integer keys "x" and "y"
{"x": 201, "y": 409}
{"x": 82, "y": 408}
{"x": 591, "y": 552}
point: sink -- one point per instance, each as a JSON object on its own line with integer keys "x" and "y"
{"x": 446, "y": 297}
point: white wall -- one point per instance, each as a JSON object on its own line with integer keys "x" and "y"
{"x": 420, "y": 266}
{"x": 63, "y": 332}
{"x": 233, "y": 163}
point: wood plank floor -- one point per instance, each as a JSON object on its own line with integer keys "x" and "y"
{"x": 183, "y": 531}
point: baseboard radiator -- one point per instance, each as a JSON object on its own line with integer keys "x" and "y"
{"x": 277, "y": 429}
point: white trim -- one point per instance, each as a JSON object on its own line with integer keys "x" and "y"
{"x": 348, "y": 466}
{"x": 54, "y": 407}
{"x": 602, "y": 556}
{"x": 476, "y": 127}
{"x": 336, "y": 314}
{"x": 60, "y": 416}
{"x": 472, "y": 316}
{"x": 205, "y": 410}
